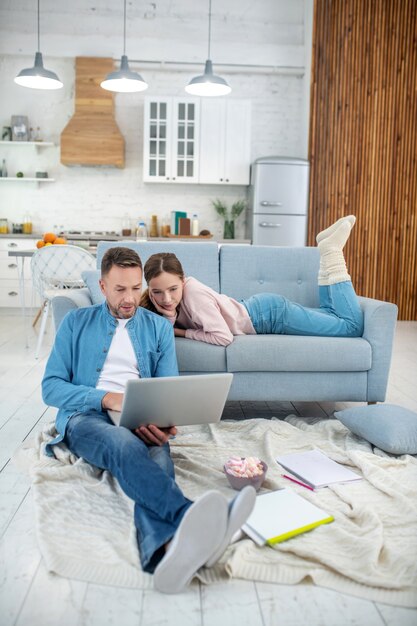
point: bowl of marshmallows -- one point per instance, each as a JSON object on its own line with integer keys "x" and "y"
{"x": 242, "y": 471}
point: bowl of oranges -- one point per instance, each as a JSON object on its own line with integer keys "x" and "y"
{"x": 50, "y": 239}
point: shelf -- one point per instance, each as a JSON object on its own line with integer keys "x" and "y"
{"x": 25, "y": 179}
{"x": 38, "y": 144}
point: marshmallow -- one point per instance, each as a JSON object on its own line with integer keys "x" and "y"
{"x": 248, "y": 467}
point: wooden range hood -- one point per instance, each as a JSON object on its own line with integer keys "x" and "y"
{"x": 92, "y": 136}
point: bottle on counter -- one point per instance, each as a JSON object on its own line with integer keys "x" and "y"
{"x": 4, "y": 169}
{"x": 27, "y": 225}
{"x": 194, "y": 226}
{"x": 141, "y": 231}
{"x": 153, "y": 232}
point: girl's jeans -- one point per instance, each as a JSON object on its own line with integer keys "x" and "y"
{"x": 339, "y": 314}
{"x": 145, "y": 473}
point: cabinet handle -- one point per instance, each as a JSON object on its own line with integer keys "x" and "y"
{"x": 173, "y": 178}
{"x": 266, "y": 203}
{"x": 269, "y": 225}
{"x": 12, "y": 245}
{"x": 13, "y": 293}
{"x": 227, "y": 180}
{"x": 12, "y": 265}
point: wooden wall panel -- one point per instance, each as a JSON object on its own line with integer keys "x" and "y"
{"x": 363, "y": 140}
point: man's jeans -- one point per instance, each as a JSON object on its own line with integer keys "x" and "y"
{"x": 339, "y": 315}
{"x": 145, "y": 473}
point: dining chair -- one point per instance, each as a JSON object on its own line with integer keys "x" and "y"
{"x": 56, "y": 269}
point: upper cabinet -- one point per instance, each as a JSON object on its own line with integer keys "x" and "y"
{"x": 225, "y": 142}
{"x": 171, "y": 140}
{"x": 190, "y": 140}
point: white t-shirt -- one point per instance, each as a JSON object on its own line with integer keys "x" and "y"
{"x": 120, "y": 364}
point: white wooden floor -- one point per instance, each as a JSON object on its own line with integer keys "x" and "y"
{"x": 29, "y": 595}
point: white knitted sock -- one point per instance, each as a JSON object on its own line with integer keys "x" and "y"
{"x": 328, "y": 231}
{"x": 332, "y": 261}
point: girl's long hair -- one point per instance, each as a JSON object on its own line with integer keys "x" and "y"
{"x": 154, "y": 267}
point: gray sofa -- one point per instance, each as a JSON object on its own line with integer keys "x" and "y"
{"x": 271, "y": 367}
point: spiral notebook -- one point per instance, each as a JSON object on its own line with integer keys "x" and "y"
{"x": 280, "y": 515}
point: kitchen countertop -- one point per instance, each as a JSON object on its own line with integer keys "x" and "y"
{"x": 97, "y": 238}
{"x": 20, "y": 236}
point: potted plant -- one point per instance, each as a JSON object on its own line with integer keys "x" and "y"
{"x": 229, "y": 216}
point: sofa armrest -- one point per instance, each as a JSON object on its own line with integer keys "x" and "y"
{"x": 379, "y": 328}
{"x": 75, "y": 299}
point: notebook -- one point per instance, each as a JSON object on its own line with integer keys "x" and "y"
{"x": 316, "y": 469}
{"x": 173, "y": 400}
{"x": 280, "y": 515}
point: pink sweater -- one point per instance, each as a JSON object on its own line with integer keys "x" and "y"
{"x": 210, "y": 316}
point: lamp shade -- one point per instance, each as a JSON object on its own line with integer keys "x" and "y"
{"x": 37, "y": 77}
{"x": 124, "y": 80}
{"x": 208, "y": 84}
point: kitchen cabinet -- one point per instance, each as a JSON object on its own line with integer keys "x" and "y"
{"x": 10, "y": 290}
{"x": 38, "y": 145}
{"x": 225, "y": 142}
{"x": 171, "y": 140}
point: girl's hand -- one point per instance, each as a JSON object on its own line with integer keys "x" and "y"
{"x": 179, "y": 332}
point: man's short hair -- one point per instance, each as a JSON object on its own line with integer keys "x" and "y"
{"x": 120, "y": 256}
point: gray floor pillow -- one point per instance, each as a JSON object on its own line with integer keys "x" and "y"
{"x": 388, "y": 426}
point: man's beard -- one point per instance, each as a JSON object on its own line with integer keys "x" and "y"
{"x": 119, "y": 312}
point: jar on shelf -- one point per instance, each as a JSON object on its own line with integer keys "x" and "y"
{"x": 165, "y": 227}
{"x": 126, "y": 229}
{"x": 4, "y": 226}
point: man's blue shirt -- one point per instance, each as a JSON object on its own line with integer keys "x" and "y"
{"x": 80, "y": 350}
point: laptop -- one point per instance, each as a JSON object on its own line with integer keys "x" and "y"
{"x": 173, "y": 400}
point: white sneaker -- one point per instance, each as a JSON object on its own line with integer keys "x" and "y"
{"x": 239, "y": 510}
{"x": 201, "y": 531}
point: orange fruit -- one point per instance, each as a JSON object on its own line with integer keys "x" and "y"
{"x": 49, "y": 237}
{"x": 48, "y": 243}
{"x": 60, "y": 240}
{"x": 40, "y": 243}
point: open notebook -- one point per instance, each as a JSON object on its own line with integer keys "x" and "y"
{"x": 316, "y": 469}
{"x": 280, "y": 515}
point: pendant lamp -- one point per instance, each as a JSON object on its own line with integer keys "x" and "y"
{"x": 37, "y": 77}
{"x": 208, "y": 84}
{"x": 124, "y": 80}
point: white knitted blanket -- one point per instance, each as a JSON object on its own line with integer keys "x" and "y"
{"x": 85, "y": 528}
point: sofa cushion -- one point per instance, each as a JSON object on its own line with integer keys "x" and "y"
{"x": 199, "y": 259}
{"x": 293, "y": 353}
{"x": 196, "y": 356}
{"x": 387, "y": 426}
{"x": 291, "y": 272}
{"x": 91, "y": 278}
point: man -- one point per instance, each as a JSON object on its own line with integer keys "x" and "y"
{"x": 96, "y": 350}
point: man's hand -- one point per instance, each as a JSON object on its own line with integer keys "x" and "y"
{"x": 179, "y": 332}
{"x": 154, "y": 436}
{"x": 112, "y": 401}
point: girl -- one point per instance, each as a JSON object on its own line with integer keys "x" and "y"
{"x": 200, "y": 313}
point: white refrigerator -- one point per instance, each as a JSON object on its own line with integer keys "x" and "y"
{"x": 278, "y": 202}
